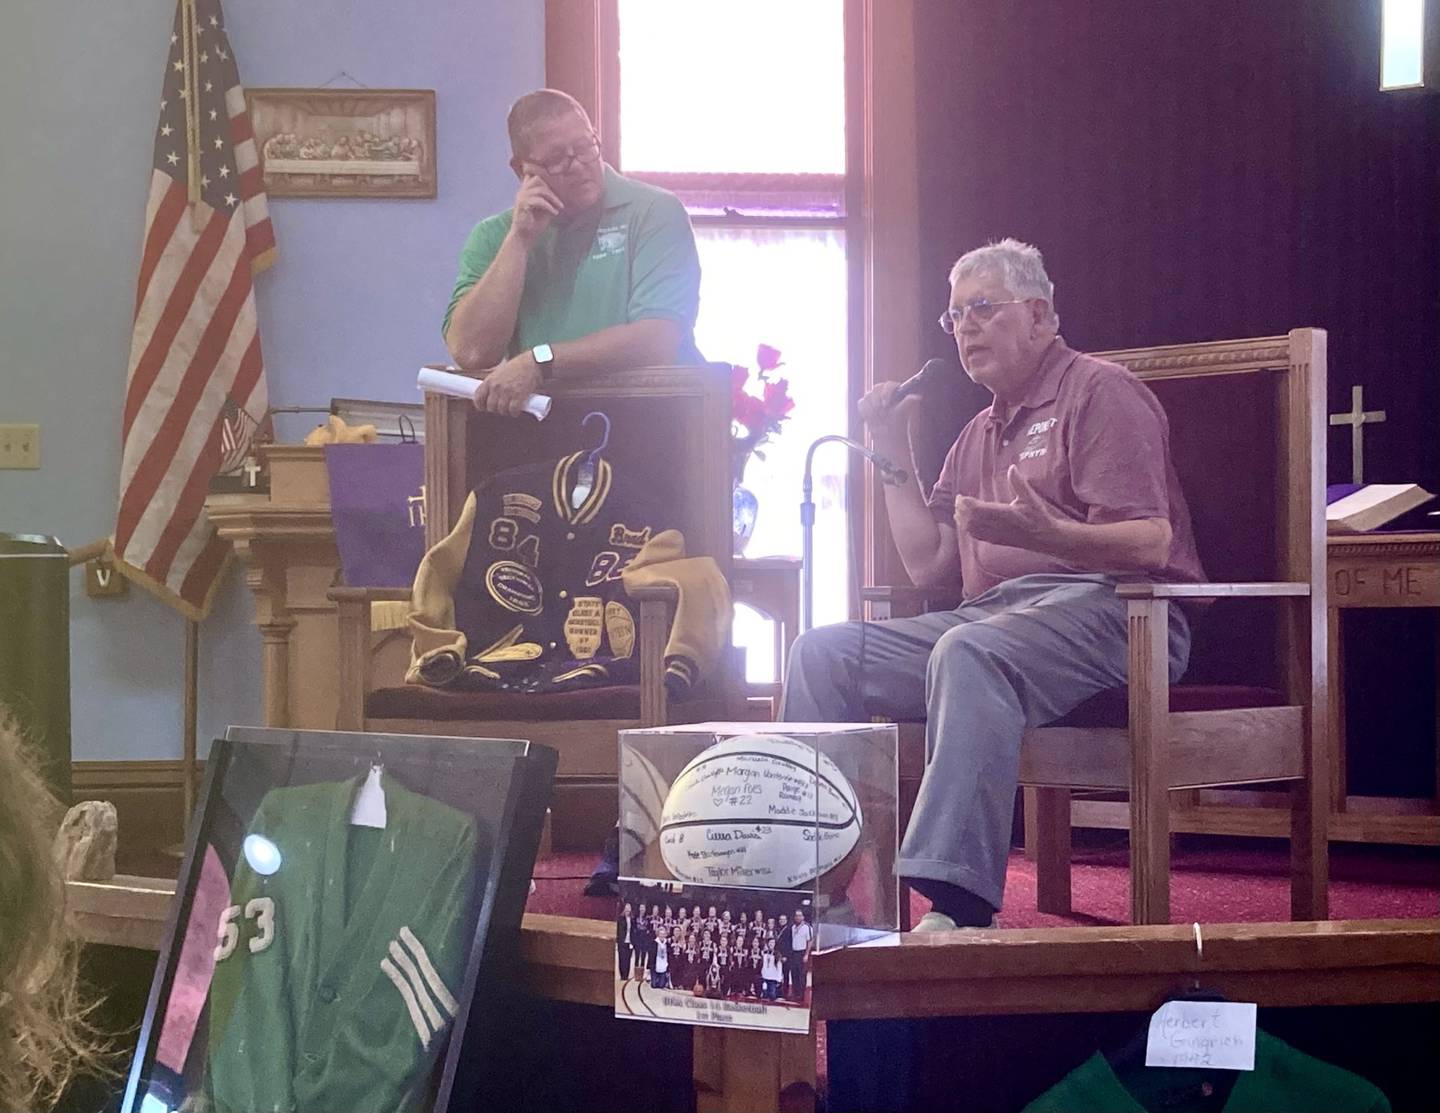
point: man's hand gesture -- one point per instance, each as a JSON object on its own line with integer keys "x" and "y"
{"x": 505, "y": 388}
{"x": 1027, "y": 521}
{"x": 536, "y": 205}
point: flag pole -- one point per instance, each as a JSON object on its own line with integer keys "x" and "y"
{"x": 188, "y": 757}
{"x": 189, "y": 762}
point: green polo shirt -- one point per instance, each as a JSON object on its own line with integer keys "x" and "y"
{"x": 1284, "y": 1081}
{"x": 632, "y": 258}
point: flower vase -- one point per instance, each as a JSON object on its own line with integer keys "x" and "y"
{"x": 743, "y": 508}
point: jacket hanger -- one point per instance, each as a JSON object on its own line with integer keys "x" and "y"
{"x": 585, "y": 477}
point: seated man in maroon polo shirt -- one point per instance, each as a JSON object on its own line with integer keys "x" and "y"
{"x": 1058, "y": 491}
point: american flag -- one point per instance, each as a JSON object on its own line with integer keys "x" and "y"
{"x": 195, "y": 346}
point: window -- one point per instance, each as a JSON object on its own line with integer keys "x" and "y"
{"x": 1402, "y": 35}
{"x": 749, "y": 131}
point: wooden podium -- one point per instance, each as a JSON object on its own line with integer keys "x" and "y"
{"x": 286, "y": 542}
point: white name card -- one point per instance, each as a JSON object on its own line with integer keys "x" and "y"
{"x": 1215, "y": 1034}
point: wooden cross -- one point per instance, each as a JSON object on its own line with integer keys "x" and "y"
{"x": 1356, "y": 418}
{"x": 252, "y": 472}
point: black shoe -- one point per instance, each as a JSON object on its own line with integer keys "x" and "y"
{"x": 607, "y": 870}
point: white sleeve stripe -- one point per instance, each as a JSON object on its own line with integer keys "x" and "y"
{"x": 432, "y": 1014}
{"x": 432, "y": 976}
{"x": 411, "y": 1005}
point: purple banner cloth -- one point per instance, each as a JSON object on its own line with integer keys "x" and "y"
{"x": 376, "y": 501}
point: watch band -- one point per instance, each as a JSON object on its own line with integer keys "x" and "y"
{"x": 544, "y": 357}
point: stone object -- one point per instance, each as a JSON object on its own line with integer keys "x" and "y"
{"x": 85, "y": 843}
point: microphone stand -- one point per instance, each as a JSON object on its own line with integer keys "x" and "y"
{"x": 807, "y": 517}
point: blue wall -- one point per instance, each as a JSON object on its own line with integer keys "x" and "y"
{"x": 351, "y": 308}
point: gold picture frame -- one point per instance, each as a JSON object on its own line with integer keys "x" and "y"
{"x": 345, "y": 142}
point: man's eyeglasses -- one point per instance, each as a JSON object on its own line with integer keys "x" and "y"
{"x": 582, "y": 153}
{"x": 982, "y": 309}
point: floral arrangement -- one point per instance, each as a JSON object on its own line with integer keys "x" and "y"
{"x": 755, "y": 418}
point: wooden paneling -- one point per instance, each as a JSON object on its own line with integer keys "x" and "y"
{"x": 149, "y": 799}
{"x": 887, "y": 282}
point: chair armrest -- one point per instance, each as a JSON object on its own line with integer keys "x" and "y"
{"x": 352, "y": 651}
{"x": 655, "y": 603}
{"x": 905, "y": 600}
{"x": 1211, "y": 591}
{"x": 368, "y": 595}
{"x": 655, "y": 593}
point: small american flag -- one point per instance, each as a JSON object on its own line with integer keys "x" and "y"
{"x": 196, "y": 345}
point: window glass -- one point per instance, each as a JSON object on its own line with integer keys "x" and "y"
{"x": 787, "y": 288}
{"x": 741, "y": 86}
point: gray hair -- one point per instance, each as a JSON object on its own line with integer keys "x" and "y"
{"x": 532, "y": 108}
{"x": 1018, "y": 265}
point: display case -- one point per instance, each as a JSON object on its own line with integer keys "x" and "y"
{"x": 344, "y": 899}
{"x": 745, "y": 849}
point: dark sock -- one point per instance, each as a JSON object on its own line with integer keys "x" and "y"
{"x": 961, "y": 905}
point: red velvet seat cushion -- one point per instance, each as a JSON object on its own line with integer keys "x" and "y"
{"x": 1111, "y": 708}
{"x": 415, "y": 701}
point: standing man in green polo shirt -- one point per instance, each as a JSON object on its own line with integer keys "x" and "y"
{"x": 588, "y": 272}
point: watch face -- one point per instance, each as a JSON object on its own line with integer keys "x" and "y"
{"x": 542, "y": 353}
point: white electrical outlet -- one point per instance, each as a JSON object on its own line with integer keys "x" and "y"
{"x": 19, "y": 446}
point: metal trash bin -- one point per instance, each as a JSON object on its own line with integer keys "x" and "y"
{"x": 35, "y": 647}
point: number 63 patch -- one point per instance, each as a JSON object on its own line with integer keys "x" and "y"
{"x": 261, "y": 912}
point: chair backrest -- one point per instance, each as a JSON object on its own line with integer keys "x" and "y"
{"x": 669, "y": 427}
{"x": 1247, "y": 436}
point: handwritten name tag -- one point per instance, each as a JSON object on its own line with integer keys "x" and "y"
{"x": 1215, "y": 1034}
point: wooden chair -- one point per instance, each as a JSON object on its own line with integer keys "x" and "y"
{"x": 671, "y": 425}
{"x": 1247, "y": 426}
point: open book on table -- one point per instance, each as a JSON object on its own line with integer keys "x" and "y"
{"x": 1361, "y": 507}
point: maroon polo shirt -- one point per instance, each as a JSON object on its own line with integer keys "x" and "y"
{"x": 1092, "y": 440}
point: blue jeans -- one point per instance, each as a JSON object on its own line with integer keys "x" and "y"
{"x": 1020, "y": 655}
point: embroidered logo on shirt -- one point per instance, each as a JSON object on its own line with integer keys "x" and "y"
{"x": 1038, "y": 435}
{"x": 609, "y": 240}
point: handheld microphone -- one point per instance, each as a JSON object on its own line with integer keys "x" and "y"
{"x": 926, "y": 376}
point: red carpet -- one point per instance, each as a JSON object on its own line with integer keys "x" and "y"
{"x": 1213, "y": 881}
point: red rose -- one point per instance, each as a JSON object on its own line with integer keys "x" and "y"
{"x": 778, "y": 402}
{"x": 767, "y": 358}
{"x": 749, "y": 411}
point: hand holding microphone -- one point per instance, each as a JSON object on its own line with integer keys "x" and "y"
{"x": 919, "y": 382}
{"x": 880, "y": 407}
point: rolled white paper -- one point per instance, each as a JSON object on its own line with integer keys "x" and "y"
{"x": 463, "y": 386}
